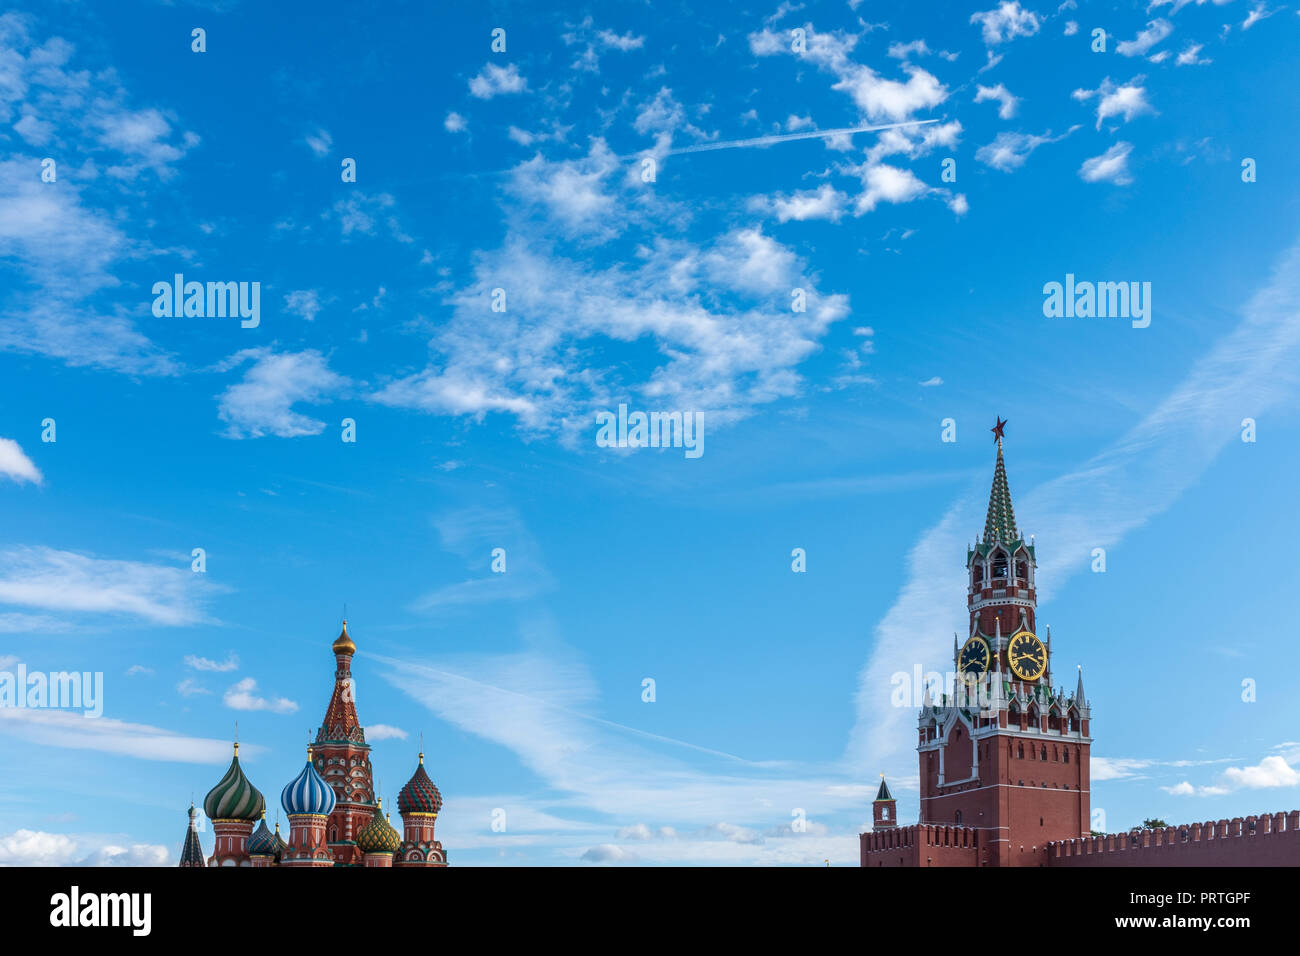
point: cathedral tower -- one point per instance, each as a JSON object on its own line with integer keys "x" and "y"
{"x": 343, "y": 758}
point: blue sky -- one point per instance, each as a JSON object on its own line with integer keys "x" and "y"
{"x": 521, "y": 170}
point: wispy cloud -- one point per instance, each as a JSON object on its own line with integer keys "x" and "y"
{"x": 70, "y": 583}
{"x": 1009, "y": 151}
{"x": 1110, "y": 166}
{"x": 61, "y": 728}
{"x": 15, "y": 465}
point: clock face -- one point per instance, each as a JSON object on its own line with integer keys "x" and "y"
{"x": 1026, "y": 655}
{"x": 975, "y": 656}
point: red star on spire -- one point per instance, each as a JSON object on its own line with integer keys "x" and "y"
{"x": 997, "y": 429}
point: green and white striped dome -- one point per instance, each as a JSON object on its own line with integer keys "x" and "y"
{"x": 234, "y": 798}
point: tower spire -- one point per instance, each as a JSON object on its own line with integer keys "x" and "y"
{"x": 192, "y": 851}
{"x": 1000, "y": 524}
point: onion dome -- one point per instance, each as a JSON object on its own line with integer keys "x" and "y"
{"x": 234, "y": 798}
{"x": 419, "y": 795}
{"x": 277, "y": 840}
{"x": 378, "y": 836}
{"x": 262, "y": 842}
{"x": 343, "y": 643}
{"x": 308, "y": 793}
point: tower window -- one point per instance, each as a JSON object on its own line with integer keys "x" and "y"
{"x": 1067, "y": 756}
{"x": 959, "y": 816}
{"x": 1020, "y": 751}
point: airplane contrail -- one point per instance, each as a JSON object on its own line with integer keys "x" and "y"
{"x": 787, "y": 137}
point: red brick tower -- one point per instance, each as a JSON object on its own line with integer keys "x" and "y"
{"x": 342, "y": 757}
{"x": 884, "y": 809}
{"x": 1006, "y": 754}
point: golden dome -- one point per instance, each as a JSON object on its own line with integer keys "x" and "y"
{"x": 343, "y": 643}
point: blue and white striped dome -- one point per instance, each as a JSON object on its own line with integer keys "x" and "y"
{"x": 308, "y": 792}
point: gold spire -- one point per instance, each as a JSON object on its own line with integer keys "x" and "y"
{"x": 343, "y": 643}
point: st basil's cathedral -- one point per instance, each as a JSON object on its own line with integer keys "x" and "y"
{"x": 334, "y": 818}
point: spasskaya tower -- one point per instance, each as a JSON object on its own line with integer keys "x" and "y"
{"x": 1004, "y": 756}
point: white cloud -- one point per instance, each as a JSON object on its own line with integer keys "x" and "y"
{"x": 1127, "y": 100}
{"x": 72, "y": 583}
{"x": 931, "y": 382}
{"x": 703, "y": 306}
{"x": 1005, "y": 22}
{"x": 1156, "y": 31}
{"x": 496, "y": 80}
{"x": 1272, "y": 771}
{"x": 901, "y": 51}
{"x": 363, "y": 214}
{"x": 623, "y": 42}
{"x": 197, "y": 663}
{"x": 609, "y": 853}
{"x": 1257, "y": 13}
{"x": 15, "y": 465}
{"x": 53, "y": 241}
{"x": 892, "y": 184}
{"x": 1007, "y": 103}
{"x": 189, "y": 687}
{"x": 1071, "y": 28}
{"x": 571, "y": 193}
{"x": 1110, "y": 166}
{"x": 262, "y": 404}
{"x": 59, "y": 244}
{"x": 38, "y": 848}
{"x": 1192, "y": 56}
{"x": 454, "y": 123}
{"x": 880, "y": 99}
{"x": 1009, "y": 151}
{"x": 319, "y": 142}
{"x": 384, "y": 732}
{"x": 303, "y": 302}
{"x": 241, "y": 696}
{"x": 64, "y": 728}
{"x": 825, "y": 202}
